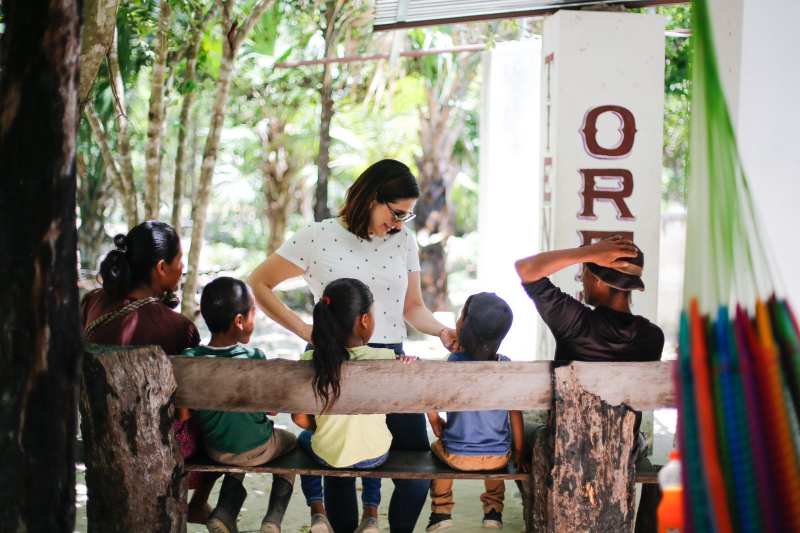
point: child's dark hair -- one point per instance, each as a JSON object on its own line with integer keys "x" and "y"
{"x": 222, "y": 300}
{"x": 136, "y": 254}
{"x": 487, "y": 319}
{"x": 342, "y": 303}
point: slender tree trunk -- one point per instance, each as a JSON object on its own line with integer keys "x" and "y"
{"x": 434, "y": 227}
{"x": 321, "y": 209}
{"x": 40, "y": 343}
{"x": 123, "y": 139}
{"x": 93, "y": 202}
{"x": 155, "y": 125}
{"x": 234, "y": 36}
{"x": 279, "y": 172}
{"x": 441, "y": 124}
{"x": 97, "y": 34}
{"x": 123, "y": 187}
{"x": 184, "y": 127}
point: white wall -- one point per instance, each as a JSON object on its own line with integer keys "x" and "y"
{"x": 510, "y": 178}
{"x": 761, "y": 74}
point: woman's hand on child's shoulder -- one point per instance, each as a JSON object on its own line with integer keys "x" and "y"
{"x": 407, "y": 359}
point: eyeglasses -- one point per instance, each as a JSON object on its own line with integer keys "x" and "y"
{"x": 400, "y": 216}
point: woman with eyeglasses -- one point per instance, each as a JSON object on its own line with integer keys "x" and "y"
{"x": 368, "y": 241}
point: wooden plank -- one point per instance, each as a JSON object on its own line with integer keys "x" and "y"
{"x": 389, "y": 387}
{"x": 367, "y": 386}
{"x": 641, "y": 386}
{"x": 400, "y": 465}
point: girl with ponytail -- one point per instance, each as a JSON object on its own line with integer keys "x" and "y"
{"x": 134, "y": 308}
{"x": 343, "y": 324}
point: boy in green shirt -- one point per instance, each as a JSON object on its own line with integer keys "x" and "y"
{"x": 240, "y": 439}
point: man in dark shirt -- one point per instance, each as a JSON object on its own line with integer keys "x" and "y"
{"x": 612, "y": 268}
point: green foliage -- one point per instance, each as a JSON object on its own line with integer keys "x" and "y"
{"x": 677, "y": 85}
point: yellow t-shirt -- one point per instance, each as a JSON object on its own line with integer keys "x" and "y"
{"x": 344, "y": 440}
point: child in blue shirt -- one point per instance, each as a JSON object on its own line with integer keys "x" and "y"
{"x": 477, "y": 440}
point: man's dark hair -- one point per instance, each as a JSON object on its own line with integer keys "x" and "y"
{"x": 222, "y": 300}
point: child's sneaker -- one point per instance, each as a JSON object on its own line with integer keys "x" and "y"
{"x": 439, "y": 521}
{"x": 369, "y": 524}
{"x": 320, "y": 524}
{"x": 493, "y": 520}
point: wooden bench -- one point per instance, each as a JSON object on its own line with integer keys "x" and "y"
{"x": 399, "y": 465}
{"x": 582, "y": 479}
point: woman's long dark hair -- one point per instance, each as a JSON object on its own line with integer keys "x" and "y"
{"x": 342, "y": 303}
{"x": 386, "y": 181}
{"x": 136, "y": 254}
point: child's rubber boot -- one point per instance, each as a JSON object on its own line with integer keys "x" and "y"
{"x": 231, "y": 497}
{"x": 439, "y": 521}
{"x": 493, "y": 520}
{"x": 279, "y": 498}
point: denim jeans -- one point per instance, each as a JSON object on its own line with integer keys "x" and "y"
{"x": 409, "y": 432}
{"x": 312, "y": 485}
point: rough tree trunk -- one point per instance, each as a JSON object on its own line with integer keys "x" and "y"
{"x": 155, "y": 124}
{"x": 184, "y": 130}
{"x": 321, "y": 209}
{"x": 123, "y": 138}
{"x": 234, "y": 36}
{"x": 133, "y": 464}
{"x": 97, "y": 34}
{"x": 40, "y": 342}
{"x": 591, "y": 480}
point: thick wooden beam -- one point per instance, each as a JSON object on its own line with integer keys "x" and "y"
{"x": 641, "y": 386}
{"x": 133, "y": 465}
{"x": 367, "y": 386}
{"x": 588, "y": 452}
{"x": 389, "y": 387}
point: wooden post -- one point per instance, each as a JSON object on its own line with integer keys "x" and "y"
{"x": 586, "y": 483}
{"x": 133, "y": 465}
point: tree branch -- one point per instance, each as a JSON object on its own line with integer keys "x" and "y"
{"x": 250, "y": 21}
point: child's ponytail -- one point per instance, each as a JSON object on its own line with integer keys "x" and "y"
{"x": 342, "y": 303}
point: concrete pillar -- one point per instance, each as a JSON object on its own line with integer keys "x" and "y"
{"x": 510, "y": 183}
